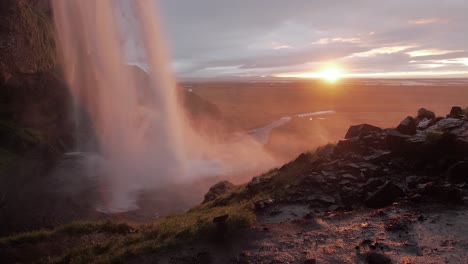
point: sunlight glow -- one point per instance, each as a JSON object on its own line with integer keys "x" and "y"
{"x": 331, "y": 74}
{"x": 429, "y": 52}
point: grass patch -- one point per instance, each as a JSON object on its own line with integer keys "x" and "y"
{"x": 167, "y": 233}
{"x": 72, "y": 229}
{"x": 171, "y": 232}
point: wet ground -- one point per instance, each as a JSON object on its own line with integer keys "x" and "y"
{"x": 296, "y": 234}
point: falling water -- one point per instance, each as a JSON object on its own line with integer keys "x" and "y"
{"x": 131, "y": 123}
{"x": 141, "y": 134}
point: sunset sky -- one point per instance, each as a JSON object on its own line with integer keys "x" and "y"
{"x": 298, "y": 38}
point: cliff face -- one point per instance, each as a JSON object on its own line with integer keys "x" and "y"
{"x": 26, "y": 37}
{"x": 33, "y": 96}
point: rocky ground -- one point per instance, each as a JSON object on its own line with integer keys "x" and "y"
{"x": 378, "y": 196}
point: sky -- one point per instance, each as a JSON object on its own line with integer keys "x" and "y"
{"x": 302, "y": 38}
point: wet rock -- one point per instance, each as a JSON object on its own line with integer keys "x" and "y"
{"x": 309, "y": 261}
{"x": 413, "y": 181}
{"x": 378, "y": 156}
{"x": 261, "y": 205}
{"x": 323, "y": 199}
{"x": 458, "y": 173}
{"x": 407, "y": 126}
{"x": 373, "y": 184}
{"x": 350, "y": 178}
{"x": 384, "y": 196}
{"x": 442, "y": 193}
{"x": 399, "y": 223}
{"x": 315, "y": 179}
{"x": 423, "y": 123}
{"x": 361, "y": 130}
{"x": 376, "y": 258}
{"x": 218, "y": 190}
{"x": 424, "y": 113}
{"x": 448, "y": 123}
{"x": 456, "y": 112}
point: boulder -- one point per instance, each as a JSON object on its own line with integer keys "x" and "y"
{"x": 372, "y": 184}
{"x": 396, "y": 140}
{"x": 448, "y": 124}
{"x": 262, "y": 204}
{"x": 458, "y": 173}
{"x": 413, "y": 181}
{"x": 384, "y": 196}
{"x": 442, "y": 193}
{"x": 351, "y": 145}
{"x": 407, "y": 126}
{"x": 456, "y": 112}
{"x": 423, "y": 113}
{"x": 221, "y": 228}
{"x": 377, "y": 258}
{"x": 257, "y": 184}
{"x": 423, "y": 123}
{"x": 218, "y": 190}
{"x": 361, "y": 130}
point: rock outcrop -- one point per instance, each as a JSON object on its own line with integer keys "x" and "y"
{"x": 376, "y": 167}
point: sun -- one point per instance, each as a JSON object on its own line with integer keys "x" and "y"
{"x": 331, "y": 74}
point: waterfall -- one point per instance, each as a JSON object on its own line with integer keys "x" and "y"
{"x": 141, "y": 133}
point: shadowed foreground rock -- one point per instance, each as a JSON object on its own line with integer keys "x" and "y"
{"x": 374, "y": 167}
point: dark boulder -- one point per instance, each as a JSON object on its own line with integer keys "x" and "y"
{"x": 396, "y": 141}
{"x": 407, "y": 126}
{"x": 361, "y": 130}
{"x": 456, "y": 112}
{"x": 377, "y": 258}
{"x": 309, "y": 261}
{"x": 424, "y": 113}
{"x": 351, "y": 145}
{"x": 458, "y": 173}
{"x": 448, "y": 124}
{"x": 423, "y": 123}
{"x": 442, "y": 193}
{"x": 221, "y": 228}
{"x": 260, "y": 205}
{"x": 413, "y": 181}
{"x": 384, "y": 196}
{"x": 217, "y": 190}
{"x": 372, "y": 184}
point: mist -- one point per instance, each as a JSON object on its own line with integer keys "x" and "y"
{"x": 143, "y": 136}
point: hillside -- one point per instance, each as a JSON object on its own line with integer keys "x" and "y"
{"x": 378, "y": 196}
{"x": 37, "y": 125}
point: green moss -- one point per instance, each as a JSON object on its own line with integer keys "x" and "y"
{"x": 19, "y": 136}
{"x": 72, "y": 229}
{"x": 173, "y": 231}
{"x": 135, "y": 240}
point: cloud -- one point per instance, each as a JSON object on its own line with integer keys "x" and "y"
{"x": 337, "y": 40}
{"x": 382, "y": 50}
{"x": 429, "y": 52}
{"x": 424, "y": 21}
{"x": 210, "y": 38}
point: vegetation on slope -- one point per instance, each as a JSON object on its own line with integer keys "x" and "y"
{"x": 116, "y": 241}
